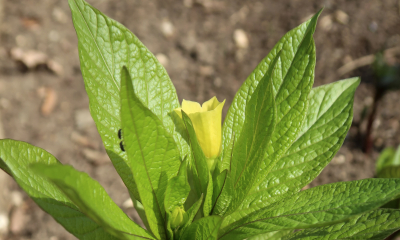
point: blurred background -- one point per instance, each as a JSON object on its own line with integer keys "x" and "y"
{"x": 208, "y": 47}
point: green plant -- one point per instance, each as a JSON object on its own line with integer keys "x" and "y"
{"x": 278, "y": 135}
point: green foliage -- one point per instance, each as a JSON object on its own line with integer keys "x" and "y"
{"x": 278, "y": 135}
{"x": 374, "y": 225}
{"x": 388, "y": 164}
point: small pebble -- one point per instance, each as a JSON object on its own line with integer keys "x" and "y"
{"x": 326, "y": 22}
{"x": 128, "y": 203}
{"x": 18, "y": 220}
{"x": 341, "y": 17}
{"x": 162, "y": 59}
{"x": 59, "y": 15}
{"x": 373, "y": 26}
{"x": 339, "y": 160}
{"x": 167, "y": 28}
{"x": 218, "y": 82}
{"x": 241, "y": 39}
{"x": 95, "y": 157}
{"x": 16, "y": 198}
{"x": 49, "y": 102}
{"x": 4, "y": 222}
{"x": 83, "y": 119}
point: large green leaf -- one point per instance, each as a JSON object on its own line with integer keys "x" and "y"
{"x": 291, "y": 98}
{"x": 291, "y": 87}
{"x": 203, "y": 229}
{"x": 92, "y": 199}
{"x": 319, "y": 206}
{"x": 15, "y": 158}
{"x": 374, "y": 225}
{"x": 153, "y": 155}
{"x": 258, "y": 127}
{"x": 278, "y": 235}
{"x": 104, "y": 47}
{"x": 327, "y": 122}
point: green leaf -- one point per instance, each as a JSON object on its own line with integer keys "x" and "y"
{"x": 291, "y": 87}
{"x": 208, "y": 203}
{"x": 328, "y": 120}
{"x": 227, "y": 159}
{"x": 104, "y": 47}
{"x": 278, "y": 235}
{"x": 291, "y": 98}
{"x": 192, "y": 212}
{"x": 140, "y": 210}
{"x": 199, "y": 165}
{"x": 389, "y": 158}
{"x": 177, "y": 190}
{"x": 258, "y": 127}
{"x": 176, "y": 194}
{"x": 219, "y": 184}
{"x": 224, "y": 198}
{"x": 15, "y": 157}
{"x": 315, "y": 207}
{"x": 152, "y": 152}
{"x": 385, "y": 159}
{"x": 374, "y": 225}
{"x": 204, "y": 229}
{"x": 390, "y": 172}
{"x": 92, "y": 200}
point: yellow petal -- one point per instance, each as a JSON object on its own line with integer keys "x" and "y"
{"x": 190, "y": 107}
{"x": 207, "y": 126}
{"x": 210, "y": 104}
{"x": 206, "y": 122}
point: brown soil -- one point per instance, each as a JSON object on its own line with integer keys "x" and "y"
{"x": 202, "y": 60}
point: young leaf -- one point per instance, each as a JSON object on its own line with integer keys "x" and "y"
{"x": 257, "y": 129}
{"x": 328, "y": 120}
{"x": 374, "y": 225}
{"x": 315, "y": 207}
{"x": 291, "y": 88}
{"x": 104, "y": 47}
{"x": 152, "y": 152}
{"x": 192, "y": 212}
{"x": 384, "y": 159}
{"x": 388, "y": 164}
{"x": 390, "y": 172}
{"x": 15, "y": 157}
{"x": 92, "y": 199}
{"x": 199, "y": 164}
{"x": 178, "y": 189}
{"x": 203, "y": 229}
{"x": 208, "y": 203}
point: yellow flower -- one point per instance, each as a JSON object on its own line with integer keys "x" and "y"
{"x": 206, "y": 121}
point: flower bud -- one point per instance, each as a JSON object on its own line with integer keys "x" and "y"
{"x": 178, "y": 217}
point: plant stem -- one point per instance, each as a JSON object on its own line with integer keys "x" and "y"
{"x": 368, "y": 144}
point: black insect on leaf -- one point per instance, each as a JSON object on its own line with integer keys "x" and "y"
{"x": 120, "y": 133}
